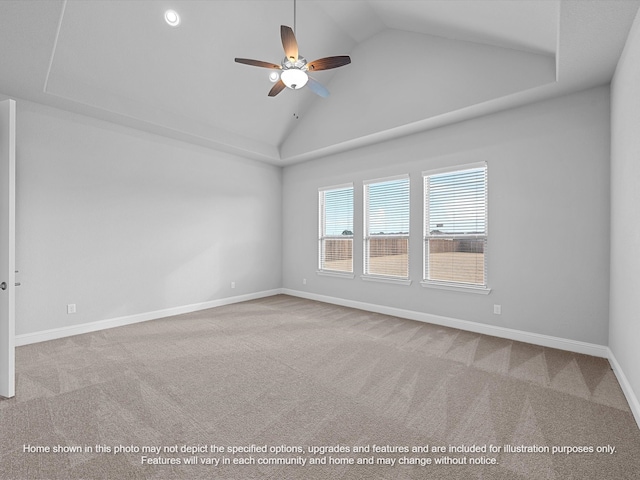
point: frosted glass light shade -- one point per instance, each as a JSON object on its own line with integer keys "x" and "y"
{"x": 294, "y": 78}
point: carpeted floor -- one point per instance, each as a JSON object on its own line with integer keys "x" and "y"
{"x": 311, "y": 382}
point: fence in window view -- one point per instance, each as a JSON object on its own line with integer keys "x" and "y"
{"x": 387, "y": 256}
{"x": 450, "y": 260}
{"x": 456, "y": 260}
{"x": 337, "y": 254}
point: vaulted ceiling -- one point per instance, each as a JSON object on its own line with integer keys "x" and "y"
{"x": 415, "y": 64}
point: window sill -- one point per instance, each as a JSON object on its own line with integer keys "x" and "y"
{"x": 375, "y": 278}
{"x": 329, "y": 273}
{"x": 457, "y": 288}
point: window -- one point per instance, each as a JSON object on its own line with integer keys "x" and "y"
{"x": 455, "y": 226}
{"x": 336, "y": 229}
{"x": 386, "y": 228}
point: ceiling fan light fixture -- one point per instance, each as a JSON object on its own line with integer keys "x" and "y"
{"x": 294, "y": 78}
{"x": 294, "y": 67}
{"x": 172, "y": 18}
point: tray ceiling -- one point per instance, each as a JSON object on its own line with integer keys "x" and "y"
{"x": 415, "y": 65}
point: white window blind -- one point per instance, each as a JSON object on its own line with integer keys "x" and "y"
{"x": 386, "y": 218}
{"x": 455, "y": 224}
{"x": 336, "y": 228}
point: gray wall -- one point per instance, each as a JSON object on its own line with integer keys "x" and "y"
{"x": 122, "y": 222}
{"x": 548, "y": 257}
{"x": 624, "y": 329}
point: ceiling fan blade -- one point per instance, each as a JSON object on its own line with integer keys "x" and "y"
{"x": 289, "y": 43}
{"x": 277, "y": 88}
{"x": 258, "y": 63}
{"x": 317, "y": 88}
{"x": 328, "y": 63}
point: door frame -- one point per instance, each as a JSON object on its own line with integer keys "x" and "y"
{"x": 7, "y": 246}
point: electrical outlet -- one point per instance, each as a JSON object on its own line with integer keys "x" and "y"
{"x": 71, "y": 308}
{"x": 304, "y": 281}
{"x": 233, "y": 284}
{"x": 497, "y": 309}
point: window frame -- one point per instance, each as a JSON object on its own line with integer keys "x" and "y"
{"x": 322, "y": 235}
{"x": 427, "y": 236}
{"x": 366, "y": 237}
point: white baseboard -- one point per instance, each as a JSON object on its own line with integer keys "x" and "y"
{"x": 511, "y": 334}
{"x": 634, "y": 404}
{"x": 508, "y": 333}
{"x": 44, "y": 335}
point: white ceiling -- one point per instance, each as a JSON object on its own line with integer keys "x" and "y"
{"x": 415, "y": 64}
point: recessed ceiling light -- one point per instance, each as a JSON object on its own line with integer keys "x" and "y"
{"x": 172, "y": 18}
{"x": 274, "y": 76}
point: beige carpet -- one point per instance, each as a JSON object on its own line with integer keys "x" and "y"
{"x": 288, "y": 374}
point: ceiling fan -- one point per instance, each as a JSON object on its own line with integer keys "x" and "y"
{"x": 294, "y": 68}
